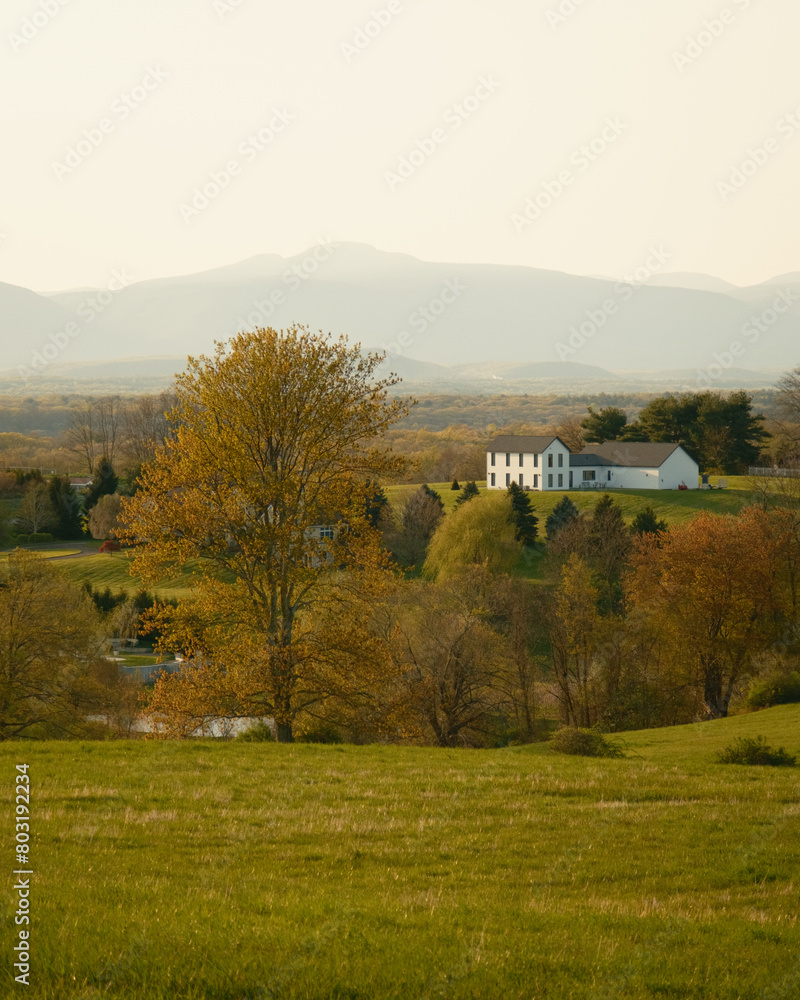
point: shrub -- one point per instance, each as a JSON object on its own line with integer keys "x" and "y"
{"x": 584, "y": 743}
{"x": 322, "y": 733}
{"x": 258, "y": 733}
{"x": 748, "y": 751}
{"x": 37, "y": 536}
{"x": 775, "y": 689}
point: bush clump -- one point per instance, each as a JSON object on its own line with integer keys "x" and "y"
{"x": 322, "y": 733}
{"x": 584, "y": 743}
{"x": 259, "y": 732}
{"x": 36, "y": 537}
{"x": 775, "y": 689}
{"x": 754, "y": 751}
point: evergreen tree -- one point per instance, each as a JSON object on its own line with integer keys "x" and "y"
{"x": 432, "y": 494}
{"x": 68, "y": 507}
{"x": 375, "y": 502}
{"x": 609, "y": 547}
{"x": 455, "y": 485}
{"x": 105, "y": 481}
{"x": 522, "y": 515}
{"x": 647, "y": 523}
{"x": 469, "y": 491}
{"x": 606, "y": 425}
{"x": 563, "y": 512}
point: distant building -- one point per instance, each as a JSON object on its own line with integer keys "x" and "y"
{"x": 534, "y": 463}
{"x": 546, "y": 463}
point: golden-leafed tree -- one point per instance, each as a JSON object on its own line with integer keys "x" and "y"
{"x": 263, "y": 488}
{"x": 575, "y": 637}
{"x": 714, "y": 593}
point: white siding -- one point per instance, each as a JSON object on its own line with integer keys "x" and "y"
{"x": 678, "y": 469}
{"x": 534, "y": 469}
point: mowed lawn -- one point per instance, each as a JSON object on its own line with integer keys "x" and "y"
{"x": 112, "y": 569}
{"x": 247, "y": 870}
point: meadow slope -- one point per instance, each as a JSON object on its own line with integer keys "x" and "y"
{"x": 233, "y": 870}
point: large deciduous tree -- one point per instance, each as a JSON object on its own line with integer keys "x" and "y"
{"x": 94, "y": 429}
{"x": 104, "y": 515}
{"x": 264, "y": 484}
{"x": 36, "y": 512}
{"x": 49, "y": 633}
{"x": 712, "y": 592}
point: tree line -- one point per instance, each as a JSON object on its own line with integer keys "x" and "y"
{"x": 315, "y": 607}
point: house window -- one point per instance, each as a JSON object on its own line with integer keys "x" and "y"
{"x": 494, "y": 455}
{"x": 520, "y": 460}
{"x": 492, "y": 479}
{"x": 508, "y": 479}
{"x": 560, "y": 460}
{"x": 588, "y": 475}
{"x": 536, "y": 482}
{"x": 326, "y": 532}
{"x": 560, "y": 478}
{"x": 550, "y": 461}
{"x": 520, "y": 480}
{"x": 609, "y": 475}
{"x": 550, "y": 479}
{"x": 508, "y": 458}
{"x": 536, "y": 461}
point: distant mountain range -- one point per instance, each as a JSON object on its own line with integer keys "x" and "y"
{"x": 440, "y": 323}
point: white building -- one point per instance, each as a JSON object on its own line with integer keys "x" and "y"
{"x": 545, "y": 463}
{"x": 535, "y": 463}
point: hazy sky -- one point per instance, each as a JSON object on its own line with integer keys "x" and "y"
{"x": 615, "y": 124}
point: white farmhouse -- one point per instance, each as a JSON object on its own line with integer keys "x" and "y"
{"x": 535, "y": 463}
{"x": 545, "y": 463}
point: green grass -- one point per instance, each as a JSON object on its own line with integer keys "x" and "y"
{"x": 138, "y": 660}
{"x": 232, "y": 870}
{"x": 672, "y": 506}
{"x": 113, "y": 570}
{"x": 44, "y": 553}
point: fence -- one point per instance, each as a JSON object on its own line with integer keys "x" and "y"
{"x": 782, "y": 473}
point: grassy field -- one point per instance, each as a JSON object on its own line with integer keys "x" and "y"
{"x": 47, "y": 553}
{"x": 113, "y": 570}
{"x": 246, "y": 870}
{"x": 672, "y": 506}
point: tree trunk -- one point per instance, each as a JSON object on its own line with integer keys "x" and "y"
{"x": 283, "y": 732}
{"x": 716, "y": 705}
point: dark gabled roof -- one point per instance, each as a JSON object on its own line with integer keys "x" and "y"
{"x": 633, "y": 454}
{"x": 584, "y": 460}
{"x": 528, "y": 444}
